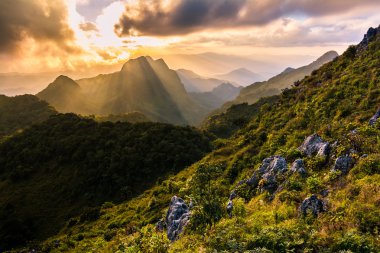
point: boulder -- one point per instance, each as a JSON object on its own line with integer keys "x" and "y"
{"x": 315, "y": 145}
{"x": 271, "y": 168}
{"x": 312, "y": 205}
{"x": 343, "y": 164}
{"x": 230, "y": 207}
{"x": 374, "y": 118}
{"x": 177, "y": 217}
{"x": 298, "y": 166}
{"x": 160, "y": 225}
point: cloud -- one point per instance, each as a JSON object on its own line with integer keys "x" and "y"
{"x": 88, "y": 26}
{"x": 179, "y": 17}
{"x": 40, "y": 20}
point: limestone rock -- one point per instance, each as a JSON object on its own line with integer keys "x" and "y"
{"x": 343, "y": 164}
{"x": 312, "y": 205}
{"x": 298, "y": 166}
{"x": 374, "y": 118}
{"x": 315, "y": 145}
{"x": 230, "y": 207}
{"x": 177, "y": 217}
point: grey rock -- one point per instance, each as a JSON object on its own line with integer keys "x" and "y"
{"x": 343, "y": 164}
{"x": 298, "y": 166}
{"x": 271, "y": 168}
{"x": 315, "y": 145}
{"x": 324, "y": 193}
{"x": 371, "y": 33}
{"x": 312, "y": 205}
{"x": 374, "y": 118}
{"x": 230, "y": 207}
{"x": 177, "y": 217}
{"x": 233, "y": 195}
{"x": 160, "y": 225}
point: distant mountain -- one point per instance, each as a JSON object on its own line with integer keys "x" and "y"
{"x": 241, "y": 76}
{"x": 274, "y": 85}
{"x": 19, "y": 112}
{"x": 66, "y": 96}
{"x": 143, "y": 84}
{"x": 196, "y": 83}
{"x": 209, "y": 64}
{"x": 217, "y": 97}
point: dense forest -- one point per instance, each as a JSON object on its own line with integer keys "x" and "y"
{"x": 18, "y": 112}
{"x": 68, "y": 165}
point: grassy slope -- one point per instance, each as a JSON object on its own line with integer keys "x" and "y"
{"x": 335, "y": 100}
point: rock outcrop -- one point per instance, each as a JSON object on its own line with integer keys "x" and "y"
{"x": 343, "y": 164}
{"x": 315, "y": 145}
{"x": 312, "y": 205}
{"x": 371, "y": 33}
{"x": 271, "y": 168}
{"x": 267, "y": 177}
{"x": 177, "y": 217}
{"x": 374, "y": 118}
{"x": 298, "y": 166}
{"x": 229, "y": 208}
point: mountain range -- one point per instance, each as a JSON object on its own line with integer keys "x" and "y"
{"x": 297, "y": 171}
{"x": 143, "y": 84}
{"x": 276, "y": 84}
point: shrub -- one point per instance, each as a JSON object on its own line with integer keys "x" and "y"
{"x": 314, "y": 184}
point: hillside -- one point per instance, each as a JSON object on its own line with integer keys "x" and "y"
{"x": 143, "y": 85}
{"x": 69, "y": 166}
{"x": 276, "y": 84}
{"x": 301, "y": 176}
{"x": 19, "y": 112}
{"x": 131, "y": 117}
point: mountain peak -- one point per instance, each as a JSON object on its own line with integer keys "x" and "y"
{"x": 328, "y": 56}
{"x": 368, "y": 37}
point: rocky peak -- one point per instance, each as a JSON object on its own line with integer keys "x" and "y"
{"x": 328, "y": 56}
{"x": 368, "y": 37}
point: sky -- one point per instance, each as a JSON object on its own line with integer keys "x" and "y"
{"x": 67, "y": 35}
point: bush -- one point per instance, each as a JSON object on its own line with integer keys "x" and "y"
{"x": 314, "y": 184}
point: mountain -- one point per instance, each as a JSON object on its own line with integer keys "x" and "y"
{"x": 196, "y": 83}
{"x": 143, "y": 84}
{"x": 241, "y": 76}
{"x": 217, "y": 97}
{"x": 301, "y": 175}
{"x": 20, "y": 112}
{"x": 66, "y": 96}
{"x": 274, "y": 85}
{"x": 69, "y": 166}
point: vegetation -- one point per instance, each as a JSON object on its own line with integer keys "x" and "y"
{"x": 336, "y": 102}
{"x": 17, "y": 113}
{"x": 69, "y": 165}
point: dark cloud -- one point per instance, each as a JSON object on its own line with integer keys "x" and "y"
{"x": 40, "y": 20}
{"x": 183, "y": 17}
{"x": 186, "y": 16}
